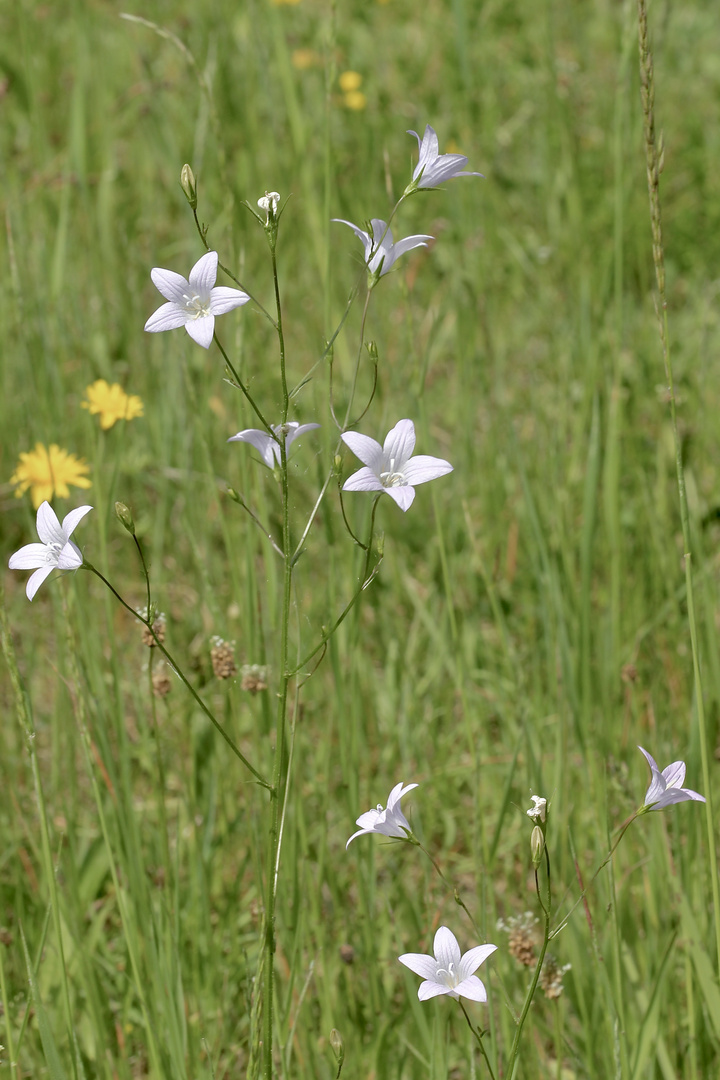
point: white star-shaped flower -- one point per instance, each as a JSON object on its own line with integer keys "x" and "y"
{"x": 56, "y": 549}
{"x": 447, "y": 972}
{"x": 389, "y": 821}
{"x": 434, "y": 168}
{"x": 270, "y": 448}
{"x": 391, "y": 467}
{"x": 666, "y": 786}
{"x": 193, "y": 302}
{"x": 380, "y": 251}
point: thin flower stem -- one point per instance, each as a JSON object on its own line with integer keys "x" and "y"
{"x": 313, "y": 512}
{"x": 449, "y": 885}
{"x": 281, "y": 338}
{"x": 545, "y": 907}
{"x": 654, "y": 162}
{"x": 281, "y": 768}
{"x": 368, "y": 547}
{"x": 341, "y": 618}
{"x": 329, "y": 346}
{"x": 241, "y": 386}
{"x": 202, "y": 233}
{"x": 146, "y": 575}
{"x": 353, "y": 384}
{"x": 348, "y": 526}
{"x": 178, "y": 671}
{"x": 478, "y": 1038}
{"x": 162, "y": 786}
{"x": 263, "y": 528}
{"x": 623, "y": 829}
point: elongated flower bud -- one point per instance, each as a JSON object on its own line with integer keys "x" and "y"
{"x": 124, "y": 516}
{"x": 537, "y": 845}
{"x": 187, "y": 183}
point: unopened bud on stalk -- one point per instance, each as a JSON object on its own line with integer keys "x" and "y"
{"x": 269, "y": 203}
{"x": 537, "y": 845}
{"x": 338, "y": 1044}
{"x": 371, "y": 347}
{"x": 125, "y": 517}
{"x": 187, "y": 183}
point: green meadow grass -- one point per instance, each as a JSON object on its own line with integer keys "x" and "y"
{"x": 528, "y": 625}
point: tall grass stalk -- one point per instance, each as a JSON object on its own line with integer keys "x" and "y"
{"x": 654, "y": 158}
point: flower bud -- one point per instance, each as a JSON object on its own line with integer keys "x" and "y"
{"x": 187, "y": 183}
{"x": 537, "y": 845}
{"x": 269, "y": 203}
{"x": 372, "y": 349}
{"x": 338, "y": 1044}
{"x": 125, "y": 517}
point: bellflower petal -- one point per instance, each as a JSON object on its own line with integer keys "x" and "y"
{"x": 447, "y": 972}
{"x": 666, "y": 787}
{"x": 434, "y": 168}
{"x": 270, "y": 448}
{"x": 387, "y": 822}
{"x": 193, "y": 302}
{"x": 380, "y": 251}
{"x": 392, "y": 468}
{"x": 203, "y": 274}
{"x": 56, "y": 549}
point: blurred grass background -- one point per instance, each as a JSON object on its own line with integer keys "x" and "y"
{"x": 528, "y": 626}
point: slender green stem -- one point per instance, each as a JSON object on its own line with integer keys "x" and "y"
{"x": 280, "y": 777}
{"x": 654, "y": 163}
{"x": 241, "y": 386}
{"x": 448, "y": 884}
{"x": 356, "y": 371}
{"x": 202, "y": 233}
{"x": 545, "y": 906}
{"x": 178, "y": 671}
{"x": 281, "y": 343}
{"x": 623, "y": 829}
{"x": 478, "y": 1038}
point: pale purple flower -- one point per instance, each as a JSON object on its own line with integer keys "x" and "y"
{"x": 391, "y": 467}
{"x": 193, "y": 302}
{"x": 666, "y": 787}
{"x": 270, "y": 448}
{"x": 434, "y": 168}
{"x": 380, "y": 251}
{"x": 388, "y": 822}
{"x": 55, "y": 550}
{"x": 447, "y": 972}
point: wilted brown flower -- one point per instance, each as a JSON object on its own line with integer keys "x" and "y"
{"x": 551, "y": 976}
{"x": 222, "y": 655}
{"x": 522, "y": 937}
{"x": 254, "y": 678}
{"x": 161, "y": 682}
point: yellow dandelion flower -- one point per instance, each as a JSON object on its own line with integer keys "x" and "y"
{"x": 350, "y": 80}
{"x": 112, "y": 403}
{"x": 49, "y": 471}
{"x": 355, "y": 99}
